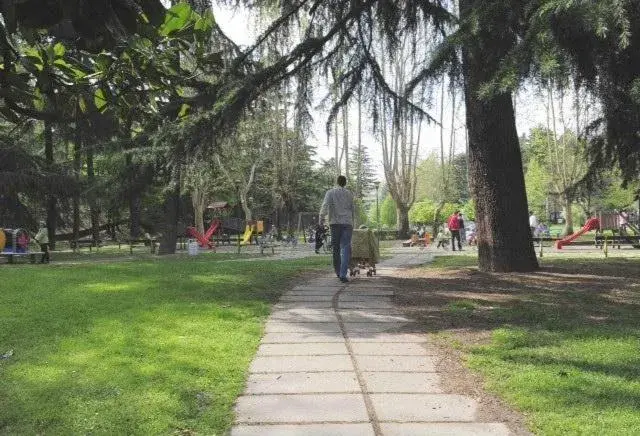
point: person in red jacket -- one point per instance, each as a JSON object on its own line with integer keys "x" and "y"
{"x": 454, "y": 226}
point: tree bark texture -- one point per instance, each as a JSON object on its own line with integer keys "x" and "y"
{"x": 52, "y": 201}
{"x": 135, "y": 200}
{"x": 77, "y": 164}
{"x": 93, "y": 204}
{"x": 568, "y": 214}
{"x": 135, "y": 214}
{"x": 495, "y": 162}
{"x": 402, "y": 215}
{"x": 198, "y": 203}
{"x": 171, "y": 214}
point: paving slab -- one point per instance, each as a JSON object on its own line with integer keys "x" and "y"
{"x": 445, "y": 429}
{"x": 396, "y": 349}
{"x": 363, "y": 297}
{"x": 372, "y": 315}
{"x": 367, "y": 292}
{"x": 301, "y": 363}
{"x": 304, "y": 314}
{"x": 301, "y": 327}
{"x": 287, "y": 305}
{"x": 303, "y": 383}
{"x": 327, "y": 297}
{"x": 397, "y": 363}
{"x": 325, "y": 408}
{"x": 371, "y": 283}
{"x": 403, "y": 382}
{"x": 320, "y": 287}
{"x": 318, "y": 291}
{"x": 294, "y": 337}
{"x": 424, "y": 407}
{"x": 305, "y": 349}
{"x": 372, "y": 304}
{"x": 385, "y": 337}
{"x": 375, "y": 327}
{"x": 304, "y": 430}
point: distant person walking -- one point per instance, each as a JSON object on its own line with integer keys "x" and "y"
{"x": 42, "y": 238}
{"x": 533, "y": 223}
{"x": 454, "y": 227}
{"x": 463, "y": 231}
{"x": 338, "y": 205}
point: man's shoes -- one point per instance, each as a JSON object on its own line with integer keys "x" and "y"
{"x": 317, "y": 251}
{"x": 344, "y": 280}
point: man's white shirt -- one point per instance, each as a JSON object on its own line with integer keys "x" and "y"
{"x": 338, "y": 204}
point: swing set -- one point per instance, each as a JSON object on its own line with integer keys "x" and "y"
{"x": 205, "y": 240}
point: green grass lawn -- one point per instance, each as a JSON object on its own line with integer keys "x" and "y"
{"x": 564, "y": 342}
{"x": 158, "y": 346}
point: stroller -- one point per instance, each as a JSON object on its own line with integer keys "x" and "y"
{"x": 364, "y": 252}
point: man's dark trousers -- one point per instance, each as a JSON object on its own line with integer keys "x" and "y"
{"x": 341, "y": 244}
{"x": 45, "y": 253}
{"x": 455, "y": 234}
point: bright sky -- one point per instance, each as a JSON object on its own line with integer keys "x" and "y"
{"x": 530, "y": 111}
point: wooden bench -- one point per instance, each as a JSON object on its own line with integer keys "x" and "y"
{"x": 266, "y": 242}
{"x": 618, "y": 240}
{"x": 151, "y": 242}
{"x": 86, "y": 242}
{"x": 10, "y": 256}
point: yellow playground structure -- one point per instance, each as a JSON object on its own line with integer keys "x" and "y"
{"x": 253, "y": 228}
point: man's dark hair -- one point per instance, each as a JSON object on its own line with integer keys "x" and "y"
{"x": 342, "y": 181}
{"x": 456, "y": 212}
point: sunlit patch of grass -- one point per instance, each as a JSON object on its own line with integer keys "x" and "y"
{"x": 454, "y": 262}
{"x": 578, "y": 382}
{"x": 147, "y": 347}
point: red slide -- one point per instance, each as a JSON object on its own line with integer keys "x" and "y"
{"x": 591, "y": 224}
{"x": 204, "y": 240}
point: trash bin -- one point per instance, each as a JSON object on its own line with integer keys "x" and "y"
{"x": 192, "y": 247}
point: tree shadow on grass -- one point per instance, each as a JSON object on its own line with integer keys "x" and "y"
{"x": 567, "y": 296}
{"x": 566, "y": 336}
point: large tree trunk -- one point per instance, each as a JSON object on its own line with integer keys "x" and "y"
{"x": 402, "y": 215}
{"x": 93, "y": 204}
{"x": 52, "y": 211}
{"x": 169, "y": 233}
{"x": 171, "y": 214}
{"x": 135, "y": 200}
{"x": 495, "y": 163}
{"x": 244, "y": 202}
{"x": 135, "y": 214}
{"x": 198, "y": 203}
{"x": 568, "y": 215}
{"x": 436, "y": 218}
{"x": 77, "y": 164}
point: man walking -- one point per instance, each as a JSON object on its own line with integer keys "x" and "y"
{"x": 533, "y": 223}
{"x": 454, "y": 228}
{"x": 338, "y": 204}
{"x": 42, "y": 238}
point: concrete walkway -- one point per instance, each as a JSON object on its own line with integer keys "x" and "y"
{"x": 341, "y": 360}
